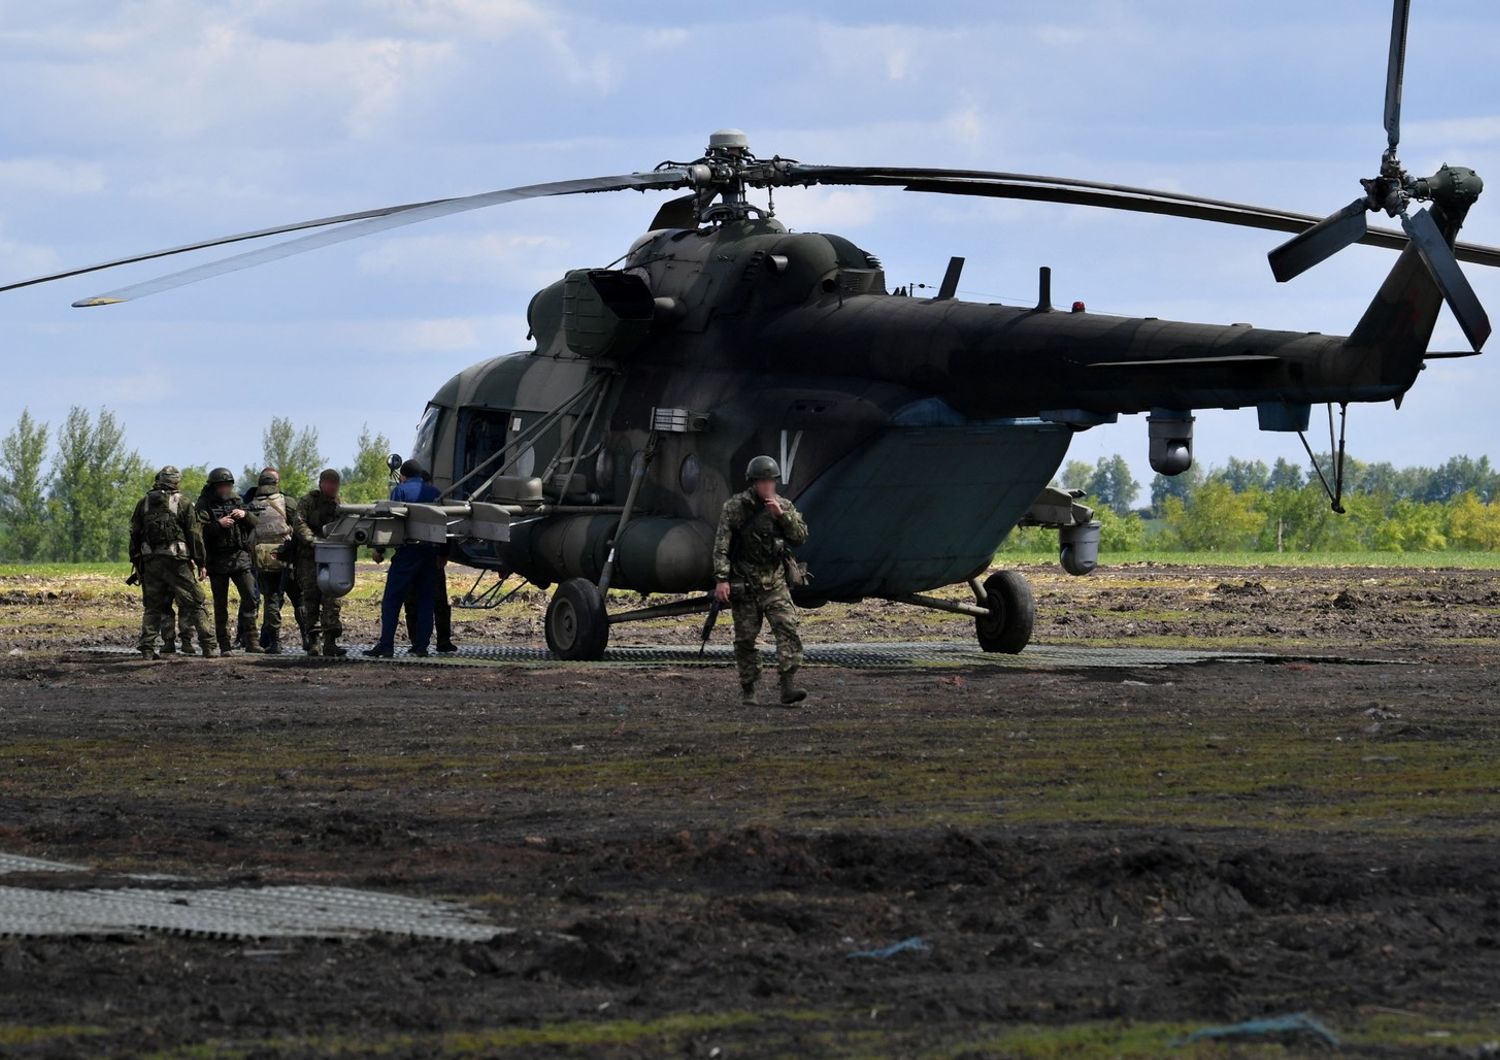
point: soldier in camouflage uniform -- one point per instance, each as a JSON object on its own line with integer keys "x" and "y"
{"x": 176, "y": 625}
{"x": 756, "y": 529}
{"x": 275, "y": 522}
{"x": 166, "y": 545}
{"x": 324, "y": 613}
{"x": 227, "y": 526}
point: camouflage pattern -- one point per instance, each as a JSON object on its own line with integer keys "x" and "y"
{"x": 750, "y": 608}
{"x": 275, "y": 583}
{"x": 176, "y": 626}
{"x": 168, "y": 572}
{"x": 163, "y": 579}
{"x": 323, "y": 614}
{"x": 890, "y": 415}
{"x": 750, "y": 551}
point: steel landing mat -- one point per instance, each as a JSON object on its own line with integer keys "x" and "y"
{"x": 874, "y": 654}
{"x": 250, "y": 913}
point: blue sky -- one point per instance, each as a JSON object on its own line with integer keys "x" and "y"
{"x": 133, "y": 125}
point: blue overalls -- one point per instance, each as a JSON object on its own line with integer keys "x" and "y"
{"x": 413, "y": 570}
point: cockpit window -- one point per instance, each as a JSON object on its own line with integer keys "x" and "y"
{"x": 427, "y": 430}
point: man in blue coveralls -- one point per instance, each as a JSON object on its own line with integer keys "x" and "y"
{"x": 412, "y": 572}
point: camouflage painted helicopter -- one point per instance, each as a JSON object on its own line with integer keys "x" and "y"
{"x": 914, "y": 433}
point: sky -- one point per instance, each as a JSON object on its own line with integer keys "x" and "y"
{"x": 136, "y": 124}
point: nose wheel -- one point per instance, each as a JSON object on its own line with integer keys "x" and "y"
{"x": 577, "y": 626}
{"x": 1011, "y": 613}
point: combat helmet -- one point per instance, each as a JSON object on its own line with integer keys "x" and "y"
{"x": 168, "y": 478}
{"x": 220, "y": 475}
{"x": 762, "y": 467}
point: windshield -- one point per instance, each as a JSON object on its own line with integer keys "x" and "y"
{"x": 422, "y": 448}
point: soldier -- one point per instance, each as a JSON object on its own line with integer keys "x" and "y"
{"x": 176, "y": 625}
{"x": 166, "y": 546}
{"x": 323, "y": 613}
{"x": 275, "y": 522}
{"x": 227, "y": 527}
{"x": 412, "y": 571}
{"x": 755, "y": 531}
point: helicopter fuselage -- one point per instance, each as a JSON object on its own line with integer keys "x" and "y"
{"x": 913, "y": 433}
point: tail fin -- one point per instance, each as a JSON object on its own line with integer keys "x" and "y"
{"x": 1393, "y": 334}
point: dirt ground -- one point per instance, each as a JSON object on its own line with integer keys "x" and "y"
{"x": 1096, "y": 860}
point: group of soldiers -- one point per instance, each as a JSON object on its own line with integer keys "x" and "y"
{"x": 260, "y": 542}
{"x": 266, "y": 547}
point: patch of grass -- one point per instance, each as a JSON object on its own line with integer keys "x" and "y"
{"x": 1415, "y": 560}
{"x": 665, "y": 1036}
{"x": 21, "y": 1034}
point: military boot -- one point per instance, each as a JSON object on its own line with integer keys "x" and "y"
{"x": 791, "y": 695}
{"x": 331, "y": 649}
{"x": 149, "y": 653}
{"x": 310, "y": 646}
{"x": 253, "y": 648}
{"x": 209, "y": 651}
{"x": 747, "y": 693}
{"x": 273, "y": 643}
{"x": 169, "y": 646}
{"x": 187, "y": 645}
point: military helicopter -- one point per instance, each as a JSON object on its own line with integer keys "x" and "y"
{"x": 913, "y": 432}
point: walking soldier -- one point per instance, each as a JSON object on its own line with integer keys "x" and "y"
{"x": 757, "y": 528}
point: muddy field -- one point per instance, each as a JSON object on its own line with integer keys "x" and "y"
{"x": 1096, "y": 860}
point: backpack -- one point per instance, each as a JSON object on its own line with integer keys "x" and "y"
{"x": 161, "y": 528}
{"x": 272, "y": 531}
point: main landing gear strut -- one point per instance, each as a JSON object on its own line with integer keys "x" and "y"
{"x": 577, "y": 623}
{"x": 1004, "y": 610}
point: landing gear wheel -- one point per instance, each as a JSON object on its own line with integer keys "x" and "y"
{"x": 577, "y": 626}
{"x": 1007, "y": 628}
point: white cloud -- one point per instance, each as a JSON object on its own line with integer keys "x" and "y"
{"x": 25, "y": 259}
{"x": 54, "y": 176}
{"x": 832, "y": 209}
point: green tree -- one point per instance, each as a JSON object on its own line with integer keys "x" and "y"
{"x": 1120, "y": 533}
{"x": 23, "y": 490}
{"x": 1411, "y": 526}
{"x": 1076, "y": 475}
{"x": 1462, "y": 474}
{"x": 1179, "y": 486}
{"x": 1112, "y": 484}
{"x": 95, "y": 485}
{"x": 1472, "y": 524}
{"x": 1242, "y": 476}
{"x": 291, "y": 452}
{"x": 370, "y": 477}
{"x": 1213, "y": 519}
{"x": 1285, "y": 475}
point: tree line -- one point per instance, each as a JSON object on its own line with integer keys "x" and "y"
{"x": 1248, "y": 505}
{"x": 66, "y": 494}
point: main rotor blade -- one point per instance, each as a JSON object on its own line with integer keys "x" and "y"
{"x": 1322, "y": 240}
{"x": 375, "y": 220}
{"x": 1439, "y": 259}
{"x": 1026, "y": 186}
{"x": 1395, "y": 71}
